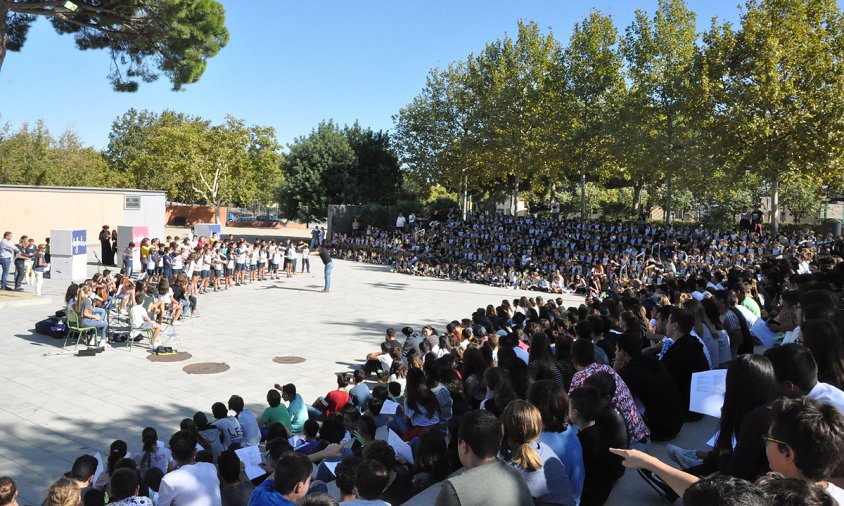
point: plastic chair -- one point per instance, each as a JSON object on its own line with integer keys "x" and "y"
{"x": 133, "y": 331}
{"x": 73, "y": 326}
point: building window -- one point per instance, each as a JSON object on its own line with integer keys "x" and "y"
{"x": 132, "y": 202}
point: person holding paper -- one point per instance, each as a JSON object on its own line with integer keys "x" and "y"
{"x": 234, "y": 490}
{"x": 400, "y": 488}
{"x": 739, "y": 449}
{"x": 290, "y": 482}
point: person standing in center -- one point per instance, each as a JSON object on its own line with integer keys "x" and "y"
{"x": 325, "y": 256}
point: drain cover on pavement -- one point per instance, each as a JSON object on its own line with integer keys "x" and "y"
{"x": 206, "y": 368}
{"x": 178, "y": 357}
{"x": 288, "y": 360}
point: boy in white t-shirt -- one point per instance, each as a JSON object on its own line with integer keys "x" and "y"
{"x": 139, "y": 319}
{"x": 228, "y": 425}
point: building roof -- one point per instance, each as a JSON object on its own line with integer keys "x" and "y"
{"x": 78, "y": 189}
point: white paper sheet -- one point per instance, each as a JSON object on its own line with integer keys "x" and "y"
{"x": 401, "y": 447}
{"x": 331, "y": 466}
{"x": 297, "y": 442}
{"x": 101, "y": 466}
{"x": 765, "y": 335}
{"x": 251, "y": 458}
{"x": 707, "y": 392}
{"x": 389, "y": 407}
{"x": 714, "y": 439}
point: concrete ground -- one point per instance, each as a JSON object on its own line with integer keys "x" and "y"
{"x": 55, "y": 407}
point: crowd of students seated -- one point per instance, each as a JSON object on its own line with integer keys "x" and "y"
{"x": 174, "y": 273}
{"x": 532, "y": 402}
{"x": 566, "y": 256}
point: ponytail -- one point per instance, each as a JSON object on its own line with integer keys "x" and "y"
{"x": 526, "y": 457}
{"x": 80, "y": 294}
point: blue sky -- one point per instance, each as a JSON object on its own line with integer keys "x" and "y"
{"x": 290, "y": 64}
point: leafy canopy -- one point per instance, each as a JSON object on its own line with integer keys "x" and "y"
{"x": 145, "y": 38}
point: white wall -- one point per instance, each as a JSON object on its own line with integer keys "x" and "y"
{"x": 151, "y": 214}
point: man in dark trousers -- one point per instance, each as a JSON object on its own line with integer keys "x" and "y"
{"x": 329, "y": 266}
{"x": 685, "y": 356}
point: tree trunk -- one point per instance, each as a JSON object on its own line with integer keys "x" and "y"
{"x": 669, "y": 195}
{"x": 464, "y": 196}
{"x": 4, "y": 35}
{"x": 637, "y": 196}
{"x": 583, "y": 196}
{"x": 515, "y": 196}
{"x": 775, "y": 204}
{"x": 216, "y": 212}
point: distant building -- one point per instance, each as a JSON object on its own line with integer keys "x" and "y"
{"x": 35, "y": 210}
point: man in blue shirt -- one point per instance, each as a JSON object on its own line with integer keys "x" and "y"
{"x": 290, "y": 482}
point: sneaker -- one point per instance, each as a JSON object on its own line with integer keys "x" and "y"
{"x": 684, "y": 457}
{"x": 177, "y": 322}
{"x": 659, "y": 486}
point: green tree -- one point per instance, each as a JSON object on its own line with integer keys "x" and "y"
{"x": 780, "y": 96}
{"x": 377, "y": 175}
{"x": 146, "y": 38}
{"x": 438, "y": 136}
{"x": 592, "y": 77}
{"x": 316, "y": 173}
{"x": 195, "y": 161}
{"x": 802, "y": 197}
{"x": 517, "y": 78}
{"x": 659, "y": 54}
{"x": 33, "y": 156}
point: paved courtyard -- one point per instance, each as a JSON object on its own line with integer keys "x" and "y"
{"x": 55, "y": 407}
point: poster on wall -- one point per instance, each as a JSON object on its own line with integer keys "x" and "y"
{"x": 79, "y": 242}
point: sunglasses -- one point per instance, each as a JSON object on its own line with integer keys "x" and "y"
{"x": 768, "y": 439}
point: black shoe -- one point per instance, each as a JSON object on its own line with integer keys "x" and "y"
{"x": 8, "y": 289}
{"x": 659, "y": 486}
{"x": 137, "y": 339}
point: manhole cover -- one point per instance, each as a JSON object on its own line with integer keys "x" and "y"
{"x": 288, "y": 360}
{"x": 178, "y": 357}
{"x": 206, "y": 368}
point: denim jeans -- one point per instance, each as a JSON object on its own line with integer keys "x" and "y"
{"x": 100, "y": 325}
{"x": 6, "y": 263}
{"x": 20, "y": 267}
{"x": 328, "y": 268}
{"x": 128, "y": 265}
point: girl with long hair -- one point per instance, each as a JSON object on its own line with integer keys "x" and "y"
{"x": 739, "y": 450}
{"x": 153, "y": 455}
{"x": 420, "y": 405}
{"x": 823, "y": 339}
{"x": 553, "y": 405}
{"x": 84, "y": 308}
{"x": 542, "y": 470}
{"x": 541, "y": 363}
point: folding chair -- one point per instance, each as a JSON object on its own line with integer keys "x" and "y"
{"x": 73, "y": 326}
